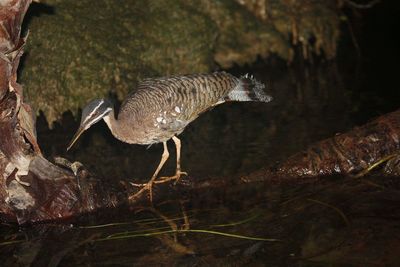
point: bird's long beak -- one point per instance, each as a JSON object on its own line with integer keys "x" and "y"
{"x": 76, "y": 136}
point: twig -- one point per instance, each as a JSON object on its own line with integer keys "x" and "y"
{"x": 374, "y": 165}
{"x": 362, "y": 6}
{"x": 191, "y": 231}
{"x": 347, "y": 222}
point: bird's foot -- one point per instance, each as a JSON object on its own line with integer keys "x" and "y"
{"x": 147, "y": 186}
{"x": 176, "y": 177}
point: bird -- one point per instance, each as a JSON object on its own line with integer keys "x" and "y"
{"x": 160, "y": 109}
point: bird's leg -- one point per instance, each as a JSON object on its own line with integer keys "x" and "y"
{"x": 149, "y": 184}
{"x": 178, "y": 171}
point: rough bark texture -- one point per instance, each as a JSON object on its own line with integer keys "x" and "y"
{"x": 31, "y": 188}
{"x": 349, "y": 154}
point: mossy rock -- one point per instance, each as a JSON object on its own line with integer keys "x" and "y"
{"x": 89, "y": 48}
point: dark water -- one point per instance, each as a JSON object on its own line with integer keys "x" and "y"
{"x": 313, "y": 225}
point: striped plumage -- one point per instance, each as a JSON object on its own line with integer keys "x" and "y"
{"x": 161, "y": 108}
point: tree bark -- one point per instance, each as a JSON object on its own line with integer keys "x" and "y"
{"x": 34, "y": 189}
{"x": 351, "y": 154}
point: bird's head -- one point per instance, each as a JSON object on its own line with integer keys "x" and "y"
{"x": 92, "y": 113}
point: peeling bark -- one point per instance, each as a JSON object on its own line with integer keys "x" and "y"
{"x": 349, "y": 153}
{"x": 31, "y": 188}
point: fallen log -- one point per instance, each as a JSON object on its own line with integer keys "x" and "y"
{"x": 34, "y": 189}
{"x": 350, "y": 154}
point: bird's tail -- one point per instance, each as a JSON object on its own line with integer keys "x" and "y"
{"x": 249, "y": 89}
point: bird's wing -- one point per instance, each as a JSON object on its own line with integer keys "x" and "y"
{"x": 192, "y": 94}
{"x": 152, "y": 83}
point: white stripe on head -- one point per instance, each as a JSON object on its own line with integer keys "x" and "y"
{"x": 105, "y": 112}
{"x": 93, "y": 111}
{"x": 101, "y": 116}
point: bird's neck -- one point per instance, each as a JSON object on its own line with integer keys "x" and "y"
{"x": 115, "y": 126}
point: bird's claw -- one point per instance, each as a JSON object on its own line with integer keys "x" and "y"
{"x": 176, "y": 177}
{"x": 146, "y": 186}
{"x": 138, "y": 185}
{"x": 149, "y": 185}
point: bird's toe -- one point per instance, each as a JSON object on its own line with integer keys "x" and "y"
{"x": 147, "y": 186}
{"x": 175, "y": 177}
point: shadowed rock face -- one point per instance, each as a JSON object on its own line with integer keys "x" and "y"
{"x": 79, "y": 50}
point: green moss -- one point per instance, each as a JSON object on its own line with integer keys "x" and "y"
{"x": 88, "y": 48}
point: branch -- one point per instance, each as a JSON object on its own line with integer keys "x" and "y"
{"x": 362, "y": 6}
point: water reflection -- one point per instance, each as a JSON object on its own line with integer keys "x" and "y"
{"x": 328, "y": 223}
